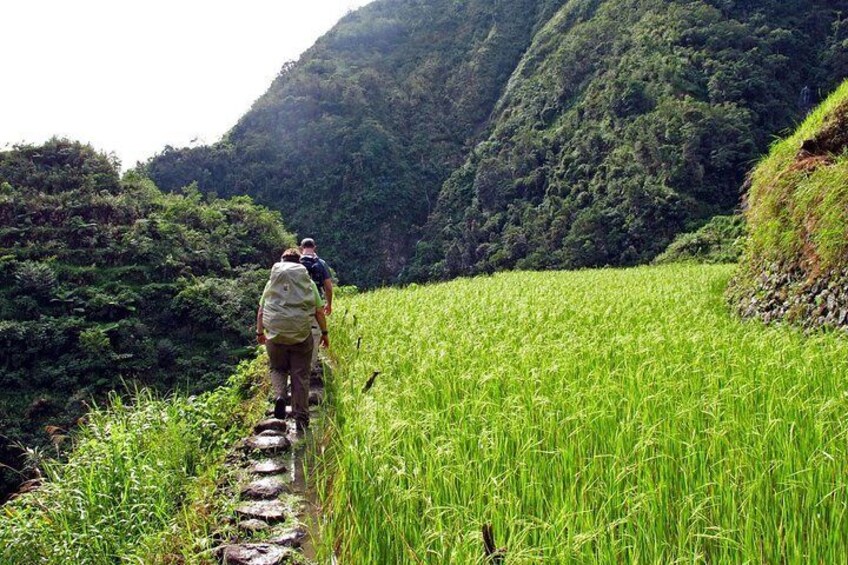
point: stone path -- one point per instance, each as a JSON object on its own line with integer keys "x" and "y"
{"x": 269, "y": 494}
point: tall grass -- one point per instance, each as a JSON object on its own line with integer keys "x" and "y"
{"x": 600, "y": 416}
{"x": 123, "y": 490}
{"x": 801, "y": 212}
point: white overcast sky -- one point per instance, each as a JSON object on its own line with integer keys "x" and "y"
{"x": 131, "y": 76}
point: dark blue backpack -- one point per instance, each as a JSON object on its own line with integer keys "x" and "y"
{"x": 316, "y": 271}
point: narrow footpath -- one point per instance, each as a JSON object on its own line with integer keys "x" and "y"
{"x": 272, "y": 509}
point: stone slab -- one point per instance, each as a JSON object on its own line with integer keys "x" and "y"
{"x": 271, "y": 445}
{"x": 293, "y": 538}
{"x": 255, "y": 554}
{"x": 269, "y": 467}
{"x": 316, "y": 396}
{"x": 272, "y": 433}
{"x": 254, "y": 525}
{"x": 265, "y": 489}
{"x": 271, "y": 424}
{"x": 270, "y": 511}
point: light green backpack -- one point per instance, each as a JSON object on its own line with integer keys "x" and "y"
{"x": 288, "y": 306}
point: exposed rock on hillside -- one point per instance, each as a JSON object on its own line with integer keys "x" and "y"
{"x": 796, "y": 264}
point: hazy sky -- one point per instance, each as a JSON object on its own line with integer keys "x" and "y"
{"x": 131, "y": 76}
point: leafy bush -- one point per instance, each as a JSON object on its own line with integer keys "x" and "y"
{"x": 719, "y": 241}
{"x": 35, "y": 278}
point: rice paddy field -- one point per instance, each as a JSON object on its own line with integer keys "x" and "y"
{"x": 607, "y": 416}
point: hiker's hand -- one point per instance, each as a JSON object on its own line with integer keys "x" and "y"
{"x": 325, "y": 341}
{"x": 261, "y": 338}
{"x": 328, "y": 309}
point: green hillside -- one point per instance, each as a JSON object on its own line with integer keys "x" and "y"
{"x": 426, "y": 140}
{"x": 353, "y": 141}
{"x": 623, "y": 127}
{"x": 599, "y": 416}
{"x": 796, "y": 263}
{"x": 107, "y": 282}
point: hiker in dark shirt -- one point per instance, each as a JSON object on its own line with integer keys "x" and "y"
{"x": 320, "y": 273}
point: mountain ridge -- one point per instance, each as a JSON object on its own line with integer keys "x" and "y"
{"x": 427, "y": 140}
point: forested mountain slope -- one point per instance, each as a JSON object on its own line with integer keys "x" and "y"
{"x": 106, "y": 281}
{"x": 624, "y": 126}
{"x": 531, "y": 133}
{"x": 354, "y": 140}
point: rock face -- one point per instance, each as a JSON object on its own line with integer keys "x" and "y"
{"x": 255, "y": 554}
{"x": 795, "y": 265}
{"x": 793, "y": 296}
{"x": 265, "y": 489}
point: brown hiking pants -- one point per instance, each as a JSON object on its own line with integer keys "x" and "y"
{"x": 294, "y": 360}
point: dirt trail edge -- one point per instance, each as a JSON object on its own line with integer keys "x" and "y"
{"x": 272, "y": 513}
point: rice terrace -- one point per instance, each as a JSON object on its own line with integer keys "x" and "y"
{"x": 595, "y": 416}
{"x": 468, "y": 282}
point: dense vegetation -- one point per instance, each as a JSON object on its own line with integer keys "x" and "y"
{"x": 531, "y": 134}
{"x": 627, "y": 122}
{"x": 599, "y": 416}
{"x": 136, "y": 486}
{"x": 796, "y": 263}
{"x": 353, "y": 141}
{"x": 718, "y": 241}
{"x": 105, "y": 281}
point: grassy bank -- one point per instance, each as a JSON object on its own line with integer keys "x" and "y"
{"x": 797, "y": 213}
{"x": 597, "y": 416}
{"x": 134, "y": 487}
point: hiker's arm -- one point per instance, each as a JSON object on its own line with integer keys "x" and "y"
{"x": 260, "y": 328}
{"x": 322, "y": 323}
{"x": 328, "y": 295}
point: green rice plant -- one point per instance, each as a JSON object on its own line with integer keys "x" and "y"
{"x": 603, "y": 416}
{"x": 134, "y": 470}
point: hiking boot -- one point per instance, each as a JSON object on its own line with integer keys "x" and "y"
{"x": 280, "y": 408}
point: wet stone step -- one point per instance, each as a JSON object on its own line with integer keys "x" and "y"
{"x": 293, "y": 538}
{"x": 253, "y": 525}
{"x": 270, "y": 511}
{"x": 265, "y": 489}
{"x": 316, "y": 396}
{"x": 270, "y": 445}
{"x": 271, "y": 424}
{"x": 255, "y": 554}
{"x": 272, "y": 433}
{"x": 269, "y": 467}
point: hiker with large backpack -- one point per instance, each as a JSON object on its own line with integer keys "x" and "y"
{"x": 289, "y": 306}
{"x": 320, "y": 273}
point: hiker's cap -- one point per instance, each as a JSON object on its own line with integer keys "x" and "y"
{"x": 307, "y": 242}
